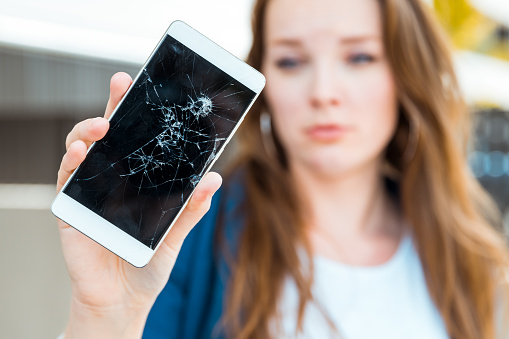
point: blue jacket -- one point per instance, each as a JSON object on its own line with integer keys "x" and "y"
{"x": 191, "y": 304}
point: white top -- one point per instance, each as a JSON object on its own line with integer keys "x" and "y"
{"x": 390, "y": 301}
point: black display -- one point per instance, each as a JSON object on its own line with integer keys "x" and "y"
{"x": 163, "y": 137}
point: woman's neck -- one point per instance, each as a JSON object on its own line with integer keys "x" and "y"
{"x": 350, "y": 217}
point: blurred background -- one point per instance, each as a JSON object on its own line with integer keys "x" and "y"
{"x": 56, "y": 59}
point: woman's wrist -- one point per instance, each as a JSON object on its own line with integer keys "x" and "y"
{"x": 111, "y": 322}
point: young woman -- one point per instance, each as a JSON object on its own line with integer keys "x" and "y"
{"x": 350, "y": 212}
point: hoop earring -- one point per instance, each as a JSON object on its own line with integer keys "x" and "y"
{"x": 266, "y": 132}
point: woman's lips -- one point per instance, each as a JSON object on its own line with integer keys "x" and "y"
{"x": 326, "y": 133}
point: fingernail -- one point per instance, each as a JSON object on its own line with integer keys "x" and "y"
{"x": 94, "y": 121}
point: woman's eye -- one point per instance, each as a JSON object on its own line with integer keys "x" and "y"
{"x": 361, "y": 58}
{"x": 287, "y": 63}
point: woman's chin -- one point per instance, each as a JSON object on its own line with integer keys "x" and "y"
{"x": 328, "y": 167}
{"x": 334, "y": 166}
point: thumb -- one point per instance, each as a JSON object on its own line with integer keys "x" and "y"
{"x": 198, "y": 205}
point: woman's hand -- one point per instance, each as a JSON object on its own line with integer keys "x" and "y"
{"x": 111, "y": 298}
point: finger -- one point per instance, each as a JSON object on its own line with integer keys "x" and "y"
{"x": 194, "y": 211}
{"x": 72, "y": 159}
{"x": 88, "y": 131}
{"x": 119, "y": 84}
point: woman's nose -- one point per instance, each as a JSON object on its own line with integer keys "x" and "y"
{"x": 324, "y": 88}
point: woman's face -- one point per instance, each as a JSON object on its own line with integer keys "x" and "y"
{"x": 329, "y": 86}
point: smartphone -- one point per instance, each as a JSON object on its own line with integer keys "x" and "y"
{"x": 172, "y": 124}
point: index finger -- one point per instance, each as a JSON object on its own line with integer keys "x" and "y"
{"x": 88, "y": 131}
{"x": 119, "y": 84}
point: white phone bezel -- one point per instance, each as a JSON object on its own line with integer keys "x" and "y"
{"x": 101, "y": 230}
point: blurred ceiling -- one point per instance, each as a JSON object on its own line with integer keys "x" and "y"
{"x": 119, "y": 30}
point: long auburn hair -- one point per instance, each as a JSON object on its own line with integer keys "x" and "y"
{"x": 452, "y": 219}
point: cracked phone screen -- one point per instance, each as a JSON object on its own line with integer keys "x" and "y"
{"x": 161, "y": 141}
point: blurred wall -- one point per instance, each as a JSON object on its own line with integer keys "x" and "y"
{"x": 42, "y": 95}
{"x": 34, "y": 288}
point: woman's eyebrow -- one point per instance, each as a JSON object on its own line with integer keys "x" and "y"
{"x": 286, "y": 42}
{"x": 359, "y": 38}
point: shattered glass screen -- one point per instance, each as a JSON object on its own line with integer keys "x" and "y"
{"x": 162, "y": 139}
